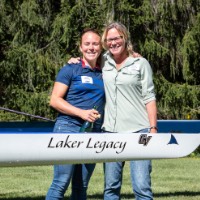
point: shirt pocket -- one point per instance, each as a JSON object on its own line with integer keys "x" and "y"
{"x": 131, "y": 76}
{"x": 132, "y": 72}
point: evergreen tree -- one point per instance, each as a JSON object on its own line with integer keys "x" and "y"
{"x": 38, "y": 37}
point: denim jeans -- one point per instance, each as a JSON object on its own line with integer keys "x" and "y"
{"x": 80, "y": 173}
{"x": 140, "y": 178}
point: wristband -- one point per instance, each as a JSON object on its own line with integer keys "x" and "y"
{"x": 154, "y": 127}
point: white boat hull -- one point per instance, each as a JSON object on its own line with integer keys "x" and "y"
{"x": 20, "y": 149}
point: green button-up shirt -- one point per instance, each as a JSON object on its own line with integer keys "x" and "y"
{"x": 127, "y": 91}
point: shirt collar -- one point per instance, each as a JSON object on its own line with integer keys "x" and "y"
{"x": 129, "y": 61}
{"x": 97, "y": 67}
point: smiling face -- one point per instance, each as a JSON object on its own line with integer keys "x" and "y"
{"x": 115, "y": 42}
{"x": 90, "y": 47}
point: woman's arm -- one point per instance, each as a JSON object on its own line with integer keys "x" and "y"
{"x": 61, "y": 105}
{"x": 152, "y": 114}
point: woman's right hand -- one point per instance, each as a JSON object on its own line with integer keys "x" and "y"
{"x": 74, "y": 60}
{"x": 90, "y": 115}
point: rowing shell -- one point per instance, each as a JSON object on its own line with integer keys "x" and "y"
{"x": 21, "y": 149}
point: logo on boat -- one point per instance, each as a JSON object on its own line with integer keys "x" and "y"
{"x": 173, "y": 140}
{"x": 144, "y": 139}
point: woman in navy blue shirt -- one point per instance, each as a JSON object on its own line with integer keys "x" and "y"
{"x": 77, "y": 89}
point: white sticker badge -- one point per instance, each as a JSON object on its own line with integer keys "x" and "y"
{"x": 86, "y": 79}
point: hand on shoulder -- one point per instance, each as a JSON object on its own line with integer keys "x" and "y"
{"x": 136, "y": 55}
{"x": 74, "y": 60}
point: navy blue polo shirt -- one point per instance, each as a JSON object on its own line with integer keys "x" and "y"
{"x": 86, "y": 89}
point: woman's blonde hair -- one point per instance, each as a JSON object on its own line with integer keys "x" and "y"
{"x": 123, "y": 31}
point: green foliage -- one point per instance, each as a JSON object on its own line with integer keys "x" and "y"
{"x": 178, "y": 100}
{"x": 190, "y": 52}
{"x": 172, "y": 179}
{"x": 38, "y": 37}
{"x": 30, "y": 61}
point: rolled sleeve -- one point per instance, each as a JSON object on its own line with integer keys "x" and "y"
{"x": 148, "y": 92}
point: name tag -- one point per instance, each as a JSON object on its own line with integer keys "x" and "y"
{"x": 86, "y": 79}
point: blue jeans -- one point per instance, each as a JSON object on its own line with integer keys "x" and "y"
{"x": 140, "y": 178}
{"x": 80, "y": 173}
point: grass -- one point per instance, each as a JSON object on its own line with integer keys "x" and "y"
{"x": 172, "y": 179}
